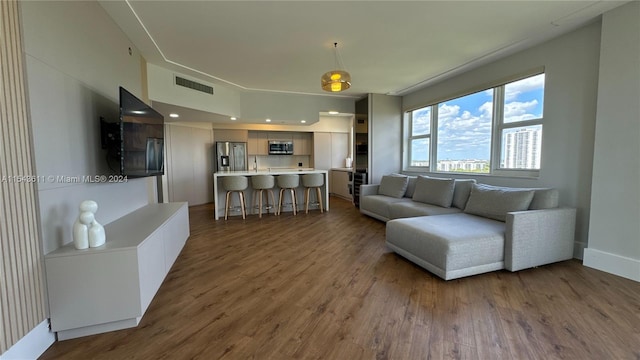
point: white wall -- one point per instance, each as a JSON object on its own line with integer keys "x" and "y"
{"x": 162, "y": 88}
{"x": 385, "y": 136}
{"x": 571, "y": 67}
{"x": 76, "y": 59}
{"x": 614, "y": 231}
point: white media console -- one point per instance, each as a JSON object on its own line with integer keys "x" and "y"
{"x": 110, "y": 287}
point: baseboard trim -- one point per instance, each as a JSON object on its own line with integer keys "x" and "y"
{"x": 612, "y": 263}
{"x": 32, "y": 345}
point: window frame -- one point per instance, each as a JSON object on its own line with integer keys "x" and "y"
{"x": 498, "y": 126}
{"x": 410, "y": 137}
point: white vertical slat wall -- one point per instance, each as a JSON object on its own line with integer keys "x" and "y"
{"x": 22, "y": 304}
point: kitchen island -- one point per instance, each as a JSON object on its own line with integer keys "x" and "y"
{"x": 219, "y": 192}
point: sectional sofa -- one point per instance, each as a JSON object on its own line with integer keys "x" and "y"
{"x": 456, "y": 228}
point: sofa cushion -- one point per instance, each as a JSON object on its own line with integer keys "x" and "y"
{"x": 393, "y": 185}
{"x": 495, "y": 202}
{"x": 405, "y": 209}
{"x": 411, "y": 186}
{"x": 461, "y": 192}
{"x": 434, "y": 191}
{"x": 447, "y": 243}
{"x": 379, "y": 204}
{"x": 544, "y": 199}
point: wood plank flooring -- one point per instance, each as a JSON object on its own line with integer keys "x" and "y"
{"x": 324, "y": 286}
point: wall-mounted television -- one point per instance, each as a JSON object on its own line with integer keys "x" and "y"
{"x": 135, "y": 144}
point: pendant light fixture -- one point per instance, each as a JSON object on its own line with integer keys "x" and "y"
{"x": 336, "y": 80}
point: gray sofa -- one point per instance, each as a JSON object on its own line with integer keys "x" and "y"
{"x": 456, "y": 228}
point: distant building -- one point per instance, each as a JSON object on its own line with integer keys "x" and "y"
{"x": 463, "y": 165}
{"x": 522, "y": 149}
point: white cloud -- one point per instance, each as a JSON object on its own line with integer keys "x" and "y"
{"x": 518, "y": 111}
{"x": 514, "y": 89}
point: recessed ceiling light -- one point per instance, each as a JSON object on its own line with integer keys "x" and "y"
{"x": 268, "y": 120}
{"x": 234, "y": 118}
{"x": 303, "y": 121}
{"x": 174, "y": 115}
{"x": 333, "y": 112}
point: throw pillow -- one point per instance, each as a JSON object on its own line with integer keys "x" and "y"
{"x": 411, "y": 187}
{"x": 461, "y": 192}
{"x": 495, "y": 202}
{"x": 393, "y": 185}
{"x": 434, "y": 191}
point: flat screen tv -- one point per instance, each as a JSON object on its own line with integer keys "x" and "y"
{"x": 136, "y": 142}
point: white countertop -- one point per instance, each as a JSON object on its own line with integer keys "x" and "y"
{"x": 276, "y": 171}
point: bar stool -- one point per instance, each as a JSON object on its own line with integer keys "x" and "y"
{"x": 260, "y": 183}
{"x": 310, "y": 181}
{"x": 235, "y": 184}
{"x": 288, "y": 182}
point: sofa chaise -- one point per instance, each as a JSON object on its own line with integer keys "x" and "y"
{"x": 455, "y": 228}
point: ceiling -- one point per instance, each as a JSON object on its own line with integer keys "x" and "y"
{"x": 389, "y": 47}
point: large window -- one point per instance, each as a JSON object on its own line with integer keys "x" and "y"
{"x": 498, "y": 130}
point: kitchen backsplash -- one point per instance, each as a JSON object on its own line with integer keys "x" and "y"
{"x": 279, "y": 161}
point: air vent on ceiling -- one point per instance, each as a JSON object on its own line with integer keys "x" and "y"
{"x": 194, "y": 85}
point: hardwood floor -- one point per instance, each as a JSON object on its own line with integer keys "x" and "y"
{"x": 324, "y": 286}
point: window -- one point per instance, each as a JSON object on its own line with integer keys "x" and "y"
{"x": 494, "y": 131}
{"x": 420, "y": 137}
{"x": 464, "y": 133}
{"x": 521, "y": 126}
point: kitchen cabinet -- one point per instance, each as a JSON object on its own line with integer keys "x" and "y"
{"x": 302, "y": 143}
{"x": 340, "y": 183}
{"x": 330, "y": 150}
{"x": 280, "y": 135}
{"x": 258, "y": 143}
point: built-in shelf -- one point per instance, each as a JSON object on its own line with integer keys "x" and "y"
{"x": 109, "y": 288}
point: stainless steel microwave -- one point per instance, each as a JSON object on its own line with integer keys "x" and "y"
{"x": 280, "y": 147}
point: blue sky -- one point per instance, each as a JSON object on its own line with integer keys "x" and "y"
{"x": 464, "y": 124}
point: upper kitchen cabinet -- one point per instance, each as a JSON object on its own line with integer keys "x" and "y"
{"x": 280, "y": 135}
{"x": 258, "y": 143}
{"x": 302, "y": 143}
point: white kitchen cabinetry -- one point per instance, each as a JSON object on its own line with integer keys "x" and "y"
{"x": 340, "y": 183}
{"x": 110, "y": 287}
{"x": 330, "y": 150}
{"x": 301, "y": 143}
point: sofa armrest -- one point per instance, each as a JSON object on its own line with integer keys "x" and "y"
{"x": 538, "y": 237}
{"x": 369, "y": 189}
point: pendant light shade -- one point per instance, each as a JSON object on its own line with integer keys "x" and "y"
{"x": 336, "y": 80}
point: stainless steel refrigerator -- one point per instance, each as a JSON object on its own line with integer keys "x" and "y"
{"x": 231, "y": 156}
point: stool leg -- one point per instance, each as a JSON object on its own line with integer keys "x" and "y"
{"x": 253, "y": 202}
{"x": 293, "y": 201}
{"x": 319, "y": 196}
{"x": 273, "y": 201}
{"x": 260, "y": 205}
{"x": 280, "y": 202}
{"x": 226, "y": 206}
{"x": 242, "y": 204}
{"x": 306, "y": 200}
